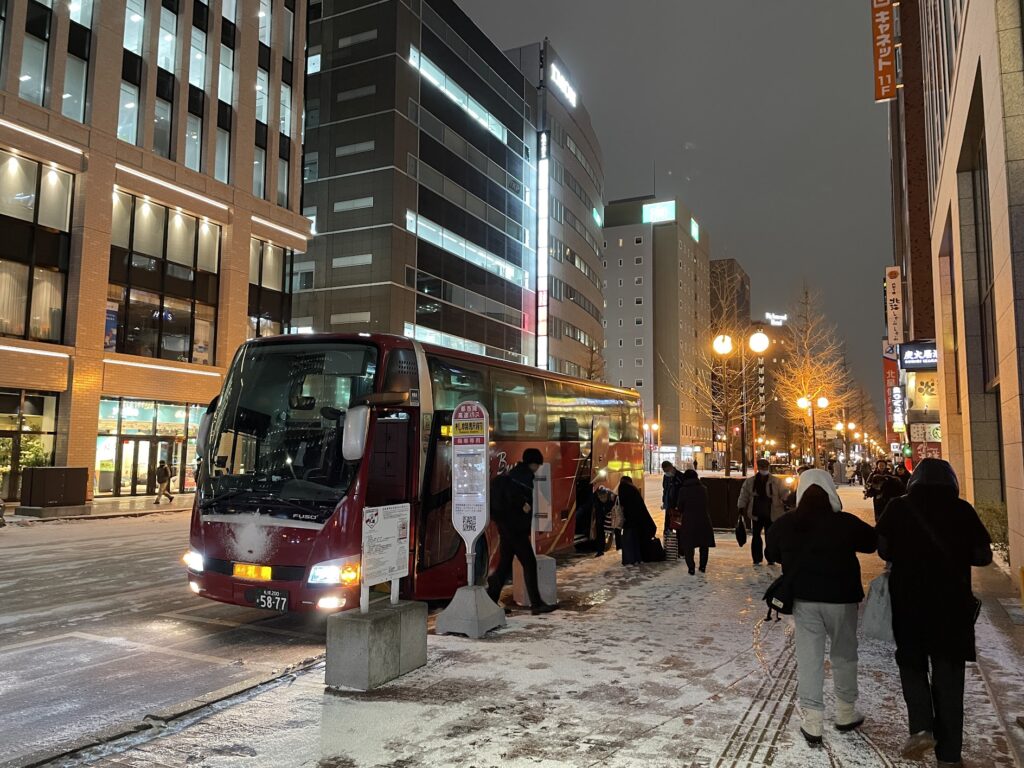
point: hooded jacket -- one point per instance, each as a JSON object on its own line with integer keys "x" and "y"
{"x": 776, "y": 492}
{"x": 932, "y": 538}
{"x": 692, "y": 503}
{"x": 818, "y": 543}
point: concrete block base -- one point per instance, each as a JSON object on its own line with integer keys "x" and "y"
{"x": 547, "y": 581}
{"x": 365, "y": 650}
{"x": 471, "y": 613}
{"x": 48, "y": 512}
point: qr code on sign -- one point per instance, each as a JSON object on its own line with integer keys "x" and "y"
{"x": 469, "y": 524}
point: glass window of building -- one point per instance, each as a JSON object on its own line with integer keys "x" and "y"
{"x": 266, "y": 21}
{"x": 282, "y": 182}
{"x": 162, "y": 295}
{"x": 35, "y": 211}
{"x": 193, "y": 142}
{"x": 222, "y": 160}
{"x": 76, "y": 75}
{"x": 259, "y": 173}
{"x": 289, "y": 34}
{"x": 268, "y": 302}
{"x": 81, "y": 12}
{"x": 310, "y": 166}
{"x": 128, "y": 113}
{"x": 162, "y": 128}
{"x": 197, "y": 59}
{"x": 286, "y": 109}
{"x": 167, "y": 45}
{"x": 262, "y": 94}
{"x": 134, "y": 25}
{"x": 28, "y": 427}
{"x": 3, "y": 19}
{"x": 226, "y": 82}
{"x": 32, "y": 80}
{"x": 227, "y": 10}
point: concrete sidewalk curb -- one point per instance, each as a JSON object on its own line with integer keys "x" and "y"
{"x": 156, "y": 722}
{"x": 21, "y": 520}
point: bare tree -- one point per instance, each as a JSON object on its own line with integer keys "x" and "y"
{"x": 815, "y": 366}
{"x": 721, "y": 386}
{"x": 595, "y": 366}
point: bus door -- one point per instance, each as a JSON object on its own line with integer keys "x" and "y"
{"x": 440, "y": 554}
{"x": 392, "y": 468}
{"x": 599, "y": 449}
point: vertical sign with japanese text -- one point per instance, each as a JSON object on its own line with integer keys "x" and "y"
{"x": 894, "y": 305}
{"x": 890, "y": 379}
{"x": 470, "y": 471}
{"x": 883, "y": 37}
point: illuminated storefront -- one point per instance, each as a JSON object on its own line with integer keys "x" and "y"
{"x": 134, "y": 436}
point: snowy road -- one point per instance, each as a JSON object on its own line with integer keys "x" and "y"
{"x": 98, "y": 630}
{"x": 649, "y": 667}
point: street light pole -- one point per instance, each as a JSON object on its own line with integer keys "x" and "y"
{"x": 743, "y": 412}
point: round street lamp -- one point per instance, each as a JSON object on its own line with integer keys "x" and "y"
{"x": 851, "y": 425}
{"x": 759, "y": 342}
{"x": 803, "y": 403}
{"x": 839, "y": 427}
{"x": 722, "y": 344}
{"x": 822, "y": 403}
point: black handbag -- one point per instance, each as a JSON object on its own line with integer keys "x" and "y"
{"x": 779, "y": 595}
{"x": 741, "y": 531}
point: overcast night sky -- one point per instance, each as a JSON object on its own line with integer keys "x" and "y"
{"x": 759, "y": 115}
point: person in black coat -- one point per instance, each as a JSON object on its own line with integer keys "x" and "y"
{"x": 696, "y": 531}
{"x": 512, "y": 510}
{"x": 817, "y": 545}
{"x": 638, "y": 526}
{"x": 882, "y": 487}
{"x": 604, "y": 503}
{"x": 932, "y": 537}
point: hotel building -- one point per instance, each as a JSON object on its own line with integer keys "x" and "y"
{"x": 149, "y": 199}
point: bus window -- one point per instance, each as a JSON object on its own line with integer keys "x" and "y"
{"x": 631, "y": 428}
{"x": 519, "y": 407}
{"x": 439, "y": 541}
{"x": 455, "y": 382}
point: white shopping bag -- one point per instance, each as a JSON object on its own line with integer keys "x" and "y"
{"x": 877, "y": 622}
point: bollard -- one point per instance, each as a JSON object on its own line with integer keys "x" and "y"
{"x": 366, "y": 650}
{"x": 547, "y": 581}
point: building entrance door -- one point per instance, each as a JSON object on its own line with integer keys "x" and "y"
{"x": 139, "y": 459}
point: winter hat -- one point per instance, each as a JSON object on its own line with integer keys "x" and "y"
{"x": 823, "y": 480}
{"x": 533, "y": 456}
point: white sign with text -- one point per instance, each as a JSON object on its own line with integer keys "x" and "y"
{"x": 470, "y": 471}
{"x": 385, "y": 544}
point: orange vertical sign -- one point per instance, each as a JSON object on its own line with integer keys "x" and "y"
{"x": 883, "y": 35}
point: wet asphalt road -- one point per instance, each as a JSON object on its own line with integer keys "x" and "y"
{"x": 98, "y": 630}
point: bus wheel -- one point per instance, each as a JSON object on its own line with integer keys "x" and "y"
{"x": 481, "y": 561}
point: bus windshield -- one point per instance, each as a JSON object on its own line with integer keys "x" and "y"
{"x": 275, "y": 444}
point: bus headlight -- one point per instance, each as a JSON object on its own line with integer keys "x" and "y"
{"x": 193, "y": 561}
{"x": 343, "y": 571}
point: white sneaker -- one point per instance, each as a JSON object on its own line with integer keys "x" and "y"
{"x": 917, "y": 745}
{"x": 812, "y": 726}
{"x": 847, "y": 717}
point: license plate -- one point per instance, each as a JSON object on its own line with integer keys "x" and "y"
{"x": 271, "y": 599}
{"x": 251, "y": 572}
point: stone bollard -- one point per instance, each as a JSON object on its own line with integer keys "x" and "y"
{"x": 547, "y": 581}
{"x": 366, "y": 650}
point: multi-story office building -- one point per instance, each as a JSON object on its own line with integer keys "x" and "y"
{"x": 420, "y": 176}
{"x": 972, "y": 70}
{"x": 149, "y": 204}
{"x": 570, "y": 183}
{"x": 657, "y": 291}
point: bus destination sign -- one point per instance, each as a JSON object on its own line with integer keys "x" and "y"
{"x": 471, "y": 475}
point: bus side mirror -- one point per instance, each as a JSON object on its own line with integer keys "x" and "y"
{"x": 357, "y": 427}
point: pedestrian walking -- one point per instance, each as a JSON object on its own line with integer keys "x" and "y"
{"x": 670, "y": 482}
{"x": 163, "y": 481}
{"x": 695, "y": 531}
{"x": 638, "y": 527}
{"x": 512, "y": 511}
{"x": 762, "y": 500}
{"x": 931, "y": 538}
{"x": 883, "y": 486}
{"x": 818, "y": 544}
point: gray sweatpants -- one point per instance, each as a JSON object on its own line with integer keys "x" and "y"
{"x": 814, "y": 622}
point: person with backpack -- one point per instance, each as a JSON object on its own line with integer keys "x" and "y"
{"x": 817, "y": 545}
{"x": 512, "y": 512}
{"x": 695, "y": 529}
{"x": 762, "y": 500}
{"x": 163, "y": 479}
{"x": 931, "y": 537}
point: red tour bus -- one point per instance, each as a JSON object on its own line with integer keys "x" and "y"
{"x": 310, "y": 429}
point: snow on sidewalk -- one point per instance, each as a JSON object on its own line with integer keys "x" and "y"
{"x": 644, "y": 667}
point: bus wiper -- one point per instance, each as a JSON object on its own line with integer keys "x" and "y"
{"x": 217, "y": 498}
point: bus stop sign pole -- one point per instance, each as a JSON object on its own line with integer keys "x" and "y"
{"x": 471, "y": 612}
